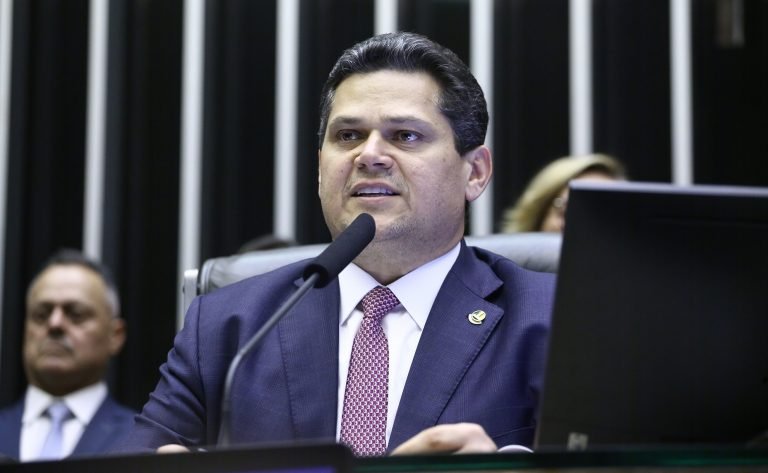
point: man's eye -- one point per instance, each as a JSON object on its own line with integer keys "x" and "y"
{"x": 39, "y": 314}
{"x": 347, "y": 135}
{"x": 407, "y": 136}
{"x": 77, "y": 314}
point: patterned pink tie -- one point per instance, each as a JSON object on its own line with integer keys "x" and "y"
{"x": 364, "y": 418}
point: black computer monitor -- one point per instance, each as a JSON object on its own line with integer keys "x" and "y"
{"x": 660, "y": 322}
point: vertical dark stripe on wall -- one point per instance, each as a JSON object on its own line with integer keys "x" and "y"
{"x": 47, "y": 149}
{"x": 115, "y": 133}
{"x": 531, "y": 109}
{"x": 730, "y": 93}
{"x": 57, "y": 127}
{"x": 14, "y": 277}
{"x": 147, "y": 238}
{"x": 238, "y": 157}
{"x": 631, "y": 70}
{"x": 325, "y": 33}
{"x": 114, "y": 145}
{"x": 444, "y": 21}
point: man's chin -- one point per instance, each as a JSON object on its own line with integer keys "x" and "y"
{"x": 55, "y": 370}
{"x": 390, "y": 228}
{"x": 59, "y": 382}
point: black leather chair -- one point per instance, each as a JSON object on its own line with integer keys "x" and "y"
{"x": 535, "y": 251}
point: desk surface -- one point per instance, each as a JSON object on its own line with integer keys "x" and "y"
{"x": 624, "y": 460}
{"x": 332, "y": 458}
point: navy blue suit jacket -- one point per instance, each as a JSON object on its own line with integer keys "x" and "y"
{"x": 286, "y": 389}
{"x": 109, "y": 425}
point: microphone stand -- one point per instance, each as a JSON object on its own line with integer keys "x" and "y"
{"x": 318, "y": 273}
{"x": 224, "y": 427}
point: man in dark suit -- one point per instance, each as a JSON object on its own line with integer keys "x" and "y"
{"x": 456, "y": 361}
{"x": 72, "y": 330}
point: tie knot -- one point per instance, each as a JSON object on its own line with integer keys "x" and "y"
{"x": 378, "y": 302}
{"x": 58, "y": 412}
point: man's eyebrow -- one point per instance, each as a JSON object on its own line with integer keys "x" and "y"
{"x": 63, "y": 302}
{"x": 343, "y": 120}
{"x": 399, "y": 119}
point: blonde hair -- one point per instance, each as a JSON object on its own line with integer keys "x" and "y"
{"x": 532, "y": 206}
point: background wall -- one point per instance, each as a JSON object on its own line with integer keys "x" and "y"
{"x": 47, "y": 133}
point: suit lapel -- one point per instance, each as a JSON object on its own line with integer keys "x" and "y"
{"x": 309, "y": 338}
{"x": 448, "y": 345}
{"x": 10, "y": 430}
{"x": 99, "y": 432}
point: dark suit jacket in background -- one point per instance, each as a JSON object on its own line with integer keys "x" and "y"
{"x": 286, "y": 389}
{"x": 110, "y": 423}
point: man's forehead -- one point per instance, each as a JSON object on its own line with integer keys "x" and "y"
{"x": 393, "y": 96}
{"x": 389, "y": 80}
{"x": 72, "y": 281}
{"x": 69, "y": 272}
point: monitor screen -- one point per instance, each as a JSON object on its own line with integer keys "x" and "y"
{"x": 660, "y": 323}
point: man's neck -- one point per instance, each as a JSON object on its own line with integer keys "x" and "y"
{"x": 388, "y": 263}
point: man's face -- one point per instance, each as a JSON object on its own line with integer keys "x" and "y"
{"x": 71, "y": 332}
{"x": 388, "y": 151}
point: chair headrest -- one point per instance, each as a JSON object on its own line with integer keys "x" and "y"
{"x": 534, "y": 251}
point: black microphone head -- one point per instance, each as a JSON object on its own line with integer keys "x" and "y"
{"x": 345, "y": 248}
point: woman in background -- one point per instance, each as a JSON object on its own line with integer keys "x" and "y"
{"x": 541, "y": 208}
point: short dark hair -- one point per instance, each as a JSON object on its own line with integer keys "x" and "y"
{"x": 71, "y": 257}
{"x": 461, "y": 99}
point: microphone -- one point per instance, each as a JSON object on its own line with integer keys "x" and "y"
{"x": 342, "y": 251}
{"x": 318, "y": 273}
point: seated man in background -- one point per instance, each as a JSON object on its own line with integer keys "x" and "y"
{"x": 422, "y": 343}
{"x": 73, "y": 328}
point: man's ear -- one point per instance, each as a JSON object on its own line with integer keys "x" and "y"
{"x": 481, "y": 169}
{"x": 117, "y": 335}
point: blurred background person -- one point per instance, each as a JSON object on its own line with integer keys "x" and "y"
{"x": 541, "y": 207}
{"x": 72, "y": 330}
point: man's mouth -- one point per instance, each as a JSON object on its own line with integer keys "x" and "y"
{"x": 53, "y": 347}
{"x": 373, "y": 191}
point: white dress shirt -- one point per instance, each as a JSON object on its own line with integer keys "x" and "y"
{"x": 416, "y": 292}
{"x": 35, "y": 424}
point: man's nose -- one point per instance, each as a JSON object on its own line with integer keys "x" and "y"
{"x": 375, "y": 152}
{"x": 57, "y": 318}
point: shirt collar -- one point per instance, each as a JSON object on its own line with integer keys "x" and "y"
{"x": 83, "y": 403}
{"x": 416, "y": 290}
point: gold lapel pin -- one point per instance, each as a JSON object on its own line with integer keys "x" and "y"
{"x": 476, "y": 317}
